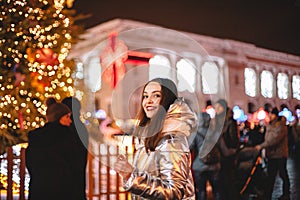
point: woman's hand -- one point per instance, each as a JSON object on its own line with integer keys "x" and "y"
{"x": 123, "y": 167}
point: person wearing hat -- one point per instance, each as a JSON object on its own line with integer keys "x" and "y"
{"x": 49, "y": 157}
{"x": 55, "y": 111}
{"x": 226, "y": 127}
{"x": 81, "y": 138}
{"x": 276, "y": 145}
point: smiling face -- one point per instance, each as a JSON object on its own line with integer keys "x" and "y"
{"x": 151, "y": 99}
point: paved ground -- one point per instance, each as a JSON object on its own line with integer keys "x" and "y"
{"x": 293, "y": 167}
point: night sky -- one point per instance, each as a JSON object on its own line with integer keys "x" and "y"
{"x": 270, "y": 24}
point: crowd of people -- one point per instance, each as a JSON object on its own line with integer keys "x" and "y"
{"x": 177, "y": 151}
{"x": 270, "y": 141}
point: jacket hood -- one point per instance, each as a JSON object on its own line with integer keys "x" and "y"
{"x": 180, "y": 118}
{"x": 204, "y": 120}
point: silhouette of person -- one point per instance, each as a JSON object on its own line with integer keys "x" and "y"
{"x": 81, "y": 137}
{"x": 49, "y": 156}
{"x": 230, "y": 135}
{"x": 276, "y": 145}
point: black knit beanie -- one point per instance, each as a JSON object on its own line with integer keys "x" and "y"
{"x": 55, "y": 110}
{"x": 223, "y": 103}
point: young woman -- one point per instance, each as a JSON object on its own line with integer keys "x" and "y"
{"x": 161, "y": 168}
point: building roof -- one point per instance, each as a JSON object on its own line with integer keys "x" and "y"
{"x": 139, "y": 35}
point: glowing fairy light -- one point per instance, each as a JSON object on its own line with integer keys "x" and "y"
{"x": 49, "y": 39}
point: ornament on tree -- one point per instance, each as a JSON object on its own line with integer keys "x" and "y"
{"x": 69, "y": 3}
{"x": 30, "y": 55}
{"x": 21, "y": 119}
{"x": 46, "y": 56}
{"x": 19, "y": 76}
{"x": 39, "y": 83}
{"x": 112, "y": 60}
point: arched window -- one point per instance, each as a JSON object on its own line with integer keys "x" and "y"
{"x": 210, "y": 80}
{"x": 250, "y": 82}
{"x": 159, "y": 67}
{"x": 296, "y": 87}
{"x": 282, "y": 86}
{"x": 186, "y": 75}
{"x": 266, "y": 84}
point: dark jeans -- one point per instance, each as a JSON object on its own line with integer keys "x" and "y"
{"x": 277, "y": 165}
{"x": 200, "y": 184}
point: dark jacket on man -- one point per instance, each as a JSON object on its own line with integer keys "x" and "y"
{"x": 49, "y": 162}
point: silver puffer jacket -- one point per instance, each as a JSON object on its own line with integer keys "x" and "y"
{"x": 166, "y": 172}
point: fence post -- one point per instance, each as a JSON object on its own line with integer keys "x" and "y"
{"x": 9, "y": 158}
{"x": 90, "y": 175}
{"x": 100, "y": 165}
{"x": 117, "y": 177}
{"x": 108, "y": 173}
{"x": 126, "y": 193}
{"x": 22, "y": 174}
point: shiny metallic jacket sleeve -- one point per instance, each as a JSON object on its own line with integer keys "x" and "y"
{"x": 173, "y": 165}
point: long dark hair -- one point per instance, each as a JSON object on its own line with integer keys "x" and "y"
{"x": 151, "y": 128}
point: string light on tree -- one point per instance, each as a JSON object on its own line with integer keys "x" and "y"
{"x": 35, "y": 39}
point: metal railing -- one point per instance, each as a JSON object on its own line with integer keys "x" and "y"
{"x": 102, "y": 181}
{"x": 13, "y": 166}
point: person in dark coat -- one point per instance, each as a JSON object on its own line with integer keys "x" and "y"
{"x": 48, "y": 155}
{"x": 81, "y": 138}
{"x": 276, "y": 145}
{"x": 226, "y": 126}
{"x": 204, "y": 171}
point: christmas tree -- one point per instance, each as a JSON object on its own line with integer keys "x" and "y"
{"x": 35, "y": 38}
